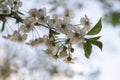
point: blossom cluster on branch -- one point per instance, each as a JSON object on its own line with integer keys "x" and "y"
{"x": 56, "y": 47}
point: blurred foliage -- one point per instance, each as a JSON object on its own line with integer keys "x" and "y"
{"x": 113, "y": 18}
{"x": 10, "y": 63}
{"x": 111, "y": 11}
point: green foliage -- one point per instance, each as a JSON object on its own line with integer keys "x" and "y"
{"x": 95, "y": 38}
{"x": 96, "y": 43}
{"x": 96, "y": 29}
{"x": 87, "y": 45}
{"x": 113, "y": 18}
{"x": 87, "y": 49}
{"x": 1, "y": 1}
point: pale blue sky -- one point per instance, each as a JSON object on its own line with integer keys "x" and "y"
{"x": 108, "y": 61}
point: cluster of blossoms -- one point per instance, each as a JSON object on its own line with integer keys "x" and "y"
{"x": 10, "y": 5}
{"x": 56, "y": 47}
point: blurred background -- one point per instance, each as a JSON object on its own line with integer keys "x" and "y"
{"x": 22, "y": 62}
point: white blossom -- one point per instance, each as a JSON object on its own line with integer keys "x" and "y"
{"x": 4, "y": 9}
{"x": 33, "y": 12}
{"x": 63, "y": 26}
{"x": 23, "y": 28}
{"x": 29, "y": 24}
{"x": 16, "y": 36}
{"x": 14, "y": 4}
{"x": 43, "y": 19}
{"x": 54, "y": 21}
{"x": 42, "y": 11}
{"x": 75, "y": 35}
{"x": 86, "y": 23}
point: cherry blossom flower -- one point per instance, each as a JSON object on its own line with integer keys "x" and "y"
{"x": 63, "y": 26}
{"x": 17, "y": 4}
{"x": 43, "y": 19}
{"x": 4, "y": 9}
{"x": 16, "y": 36}
{"x": 29, "y": 24}
{"x": 32, "y": 12}
{"x": 23, "y": 28}
{"x": 86, "y": 23}
{"x": 14, "y": 4}
{"x": 42, "y": 11}
{"x": 75, "y": 35}
{"x": 54, "y": 21}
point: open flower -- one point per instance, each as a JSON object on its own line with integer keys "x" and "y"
{"x": 14, "y": 4}
{"x": 86, "y": 23}
{"x": 64, "y": 25}
{"x": 54, "y": 21}
{"x": 75, "y": 35}
{"x": 24, "y": 29}
{"x": 17, "y": 4}
{"x": 28, "y": 24}
{"x": 43, "y": 19}
{"x": 41, "y": 15}
{"x": 32, "y": 12}
{"x": 16, "y": 36}
{"x": 4, "y": 9}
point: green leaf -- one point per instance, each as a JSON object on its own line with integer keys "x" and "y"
{"x": 2, "y": 1}
{"x": 95, "y": 38}
{"x": 87, "y": 49}
{"x": 3, "y": 26}
{"x": 96, "y": 29}
{"x": 97, "y": 43}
